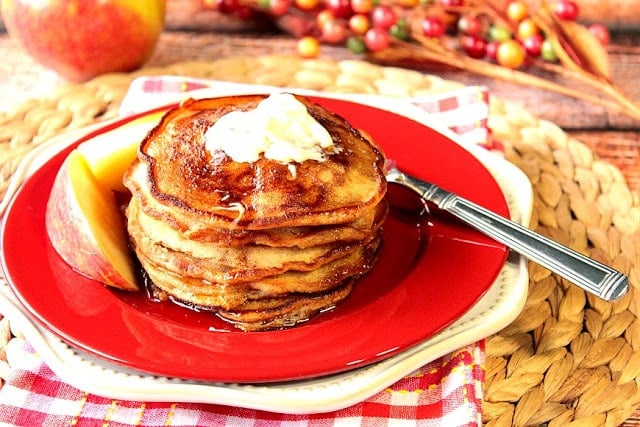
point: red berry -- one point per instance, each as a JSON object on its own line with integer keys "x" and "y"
{"x": 600, "y": 32}
{"x": 334, "y": 32}
{"x": 245, "y": 12}
{"x": 470, "y": 25}
{"x": 340, "y": 8}
{"x": 432, "y": 26}
{"x": 491, "y": 50}
{"x": 567, "y": 10}
{"x": 474, "y": 46}
{"x": 227, "y": 6}
{"x": 279, "y": 7}
{"x": 377, "y": 39}
{"x": 383, "y": 17}
{"x": 533, "y": 44}
{"x": 451, "y": 3}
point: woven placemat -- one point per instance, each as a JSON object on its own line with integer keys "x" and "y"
{"x": 569, "y": 356}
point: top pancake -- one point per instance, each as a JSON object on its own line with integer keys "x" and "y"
{"x": 219, "y": 192}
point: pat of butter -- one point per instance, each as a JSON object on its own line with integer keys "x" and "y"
{"x": 280, "y": 128}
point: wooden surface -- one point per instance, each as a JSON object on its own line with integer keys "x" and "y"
{"x": 532, "y": 352}
{"x": 610, "y": 135}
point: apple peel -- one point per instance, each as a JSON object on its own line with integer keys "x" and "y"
{"x": 86, "y": 226}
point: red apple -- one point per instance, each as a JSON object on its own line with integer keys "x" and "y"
{"x": 86, "y": 226}
{"x": 84, "y": 38}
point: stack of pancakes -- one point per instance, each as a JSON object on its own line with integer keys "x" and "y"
{"x": 263, "y": 244}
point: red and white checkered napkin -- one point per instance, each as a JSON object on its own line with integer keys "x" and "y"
{"x": 464, "y": 111}
{"x": 445, "y": 392}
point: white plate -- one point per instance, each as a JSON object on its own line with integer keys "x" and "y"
{"x": 495, "y": 310}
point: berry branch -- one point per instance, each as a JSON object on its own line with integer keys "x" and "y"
{"x": 503, "y": 39}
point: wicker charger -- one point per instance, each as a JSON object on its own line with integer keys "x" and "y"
{"x": 569, "y": 357}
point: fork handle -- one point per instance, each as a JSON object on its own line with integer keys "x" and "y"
{"x": 587, "y": 273}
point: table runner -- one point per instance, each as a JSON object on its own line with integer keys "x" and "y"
{"x": 568, "y": 356}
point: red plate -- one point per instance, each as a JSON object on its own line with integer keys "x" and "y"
{"x": 430, "y": 272}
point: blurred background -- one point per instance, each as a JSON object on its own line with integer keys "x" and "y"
{"x": 194, "y": 30}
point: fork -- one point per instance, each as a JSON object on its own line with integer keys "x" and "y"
{"x": 587, "y": 273}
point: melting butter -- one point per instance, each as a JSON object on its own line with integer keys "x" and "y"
{"x": 280, "y": 128}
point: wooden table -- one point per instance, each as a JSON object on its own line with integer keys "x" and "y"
{"x": 610, "y": 135}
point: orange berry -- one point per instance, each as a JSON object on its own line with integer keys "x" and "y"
{"x": 361, "y": 6}
{"x": 323, "y": 17}
{"x": 308, "y": 47}
{"x": 307, "y": 4}
{"x": 408, "y": 3}
{"x": 517, "y": 10}
{"x": 510, "y": 54}
{"x": 359, "y": 23}
{"x": 527, "y": 28}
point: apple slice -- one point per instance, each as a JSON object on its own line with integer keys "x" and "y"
{"x": 86, "y": 227}
{"x": 111, "y": 153}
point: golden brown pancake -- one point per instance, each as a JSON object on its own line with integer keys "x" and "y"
{"x": 210, "y": 188}
{"x": 224, "y": 293}
{"x": 165, "y": 223}
{"x": 221, "y": 263}
{"x": 287, "y": 311}
{"x": 262, "y": 244}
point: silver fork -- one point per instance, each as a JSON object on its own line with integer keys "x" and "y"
{"x": 587, "y": 273}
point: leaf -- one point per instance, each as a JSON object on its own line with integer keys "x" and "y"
{"x": 576, "y": 48}
{"x": 590, "y": 47}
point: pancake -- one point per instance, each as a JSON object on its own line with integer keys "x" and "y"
{"x": 221, "y": 263}
{"x": 229, "y": 293}
{"x": 166, "y": 223}
{"x": 286, "y": 312}
{"x": 263, "y": 243}
{"x": 220, "y": 192}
